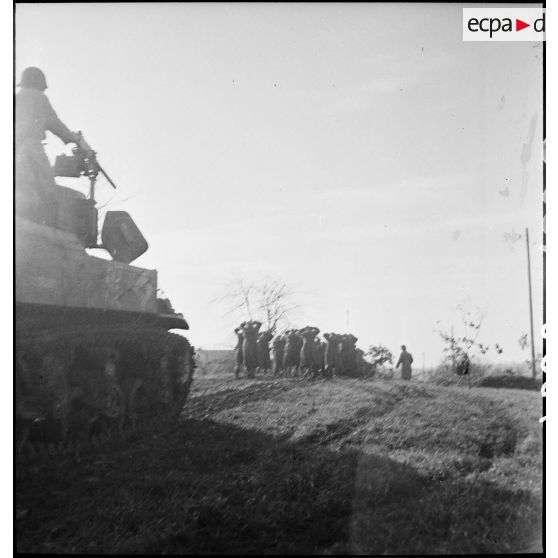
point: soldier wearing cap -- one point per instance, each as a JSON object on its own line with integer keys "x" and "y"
{"x": 34, "y": 115}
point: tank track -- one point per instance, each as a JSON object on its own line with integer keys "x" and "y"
{"x": 79, "y": 390}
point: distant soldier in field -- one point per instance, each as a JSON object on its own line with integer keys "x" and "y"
{"x": 264, "y": 359}
{"x": 353, "y": 364}
{"x": 405, "y": 360}
{"x": 308, "y": 350}
{"x": 298, "y": 346}
{"x": 238, "y": 349}
{"x": 278, "y": 353}
{"x": 291, "y": 359}
{"x": 250, "y": 346}
{"x": 319, "y": 357}
{"x": 347, "y": 356}
{"x": 360, "y": 362}
{"x": 331, "y": 357}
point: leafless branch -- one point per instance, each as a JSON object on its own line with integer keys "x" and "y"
{"x": 268, "y": 299}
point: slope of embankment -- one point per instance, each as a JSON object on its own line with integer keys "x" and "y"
{"x": 289, "y": 466}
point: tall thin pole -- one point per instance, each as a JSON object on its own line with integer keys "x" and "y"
{"x": 533, "y": 368}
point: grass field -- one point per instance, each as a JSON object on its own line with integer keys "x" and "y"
{"x": 288, "y": 466}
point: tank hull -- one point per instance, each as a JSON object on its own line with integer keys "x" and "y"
{"x": 94, "y": 359}
{"x": 53, "y": 269}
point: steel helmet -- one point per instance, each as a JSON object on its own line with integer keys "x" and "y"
{"x": 34, "y": 78}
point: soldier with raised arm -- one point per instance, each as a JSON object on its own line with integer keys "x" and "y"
{"x": 34, "y": 116}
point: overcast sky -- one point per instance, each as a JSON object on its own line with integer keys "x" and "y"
{"x": 363, "y": 153}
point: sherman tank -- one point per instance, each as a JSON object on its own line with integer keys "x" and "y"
{"x": 94, "y": 356}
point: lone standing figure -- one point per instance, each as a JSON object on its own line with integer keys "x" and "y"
{"x": 405, "y": 360}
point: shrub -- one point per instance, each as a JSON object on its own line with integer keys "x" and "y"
{"x": 483, "y": 375}
{"x": 444, "y": 375}
{"x": 510, "y": 381}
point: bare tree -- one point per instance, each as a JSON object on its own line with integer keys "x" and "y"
{"x": 239, "y": 297}
{"x": 275, "y": 299}
{"x": 268, "y": 299}
{"x": 460, "y": 350}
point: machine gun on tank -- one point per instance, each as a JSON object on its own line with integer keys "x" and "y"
{"x": 82, "y": 162}
{"x": 120, "y": 236}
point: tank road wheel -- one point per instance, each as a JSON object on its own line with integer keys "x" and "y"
{"x": 42, "y": 402}
{"x": 87, "y": 385}
{"x": 130, "y": 387}
{"x": 24, "y": 414}
{"x": 114, "y": 408}
{"x": 112, "y": 411}
{"x": 181, "y": 373}
{"x": 165, "y": 390}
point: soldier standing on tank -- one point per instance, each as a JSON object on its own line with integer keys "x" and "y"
{"x": 34, "y": 115}
{"x": 405, "y": 360}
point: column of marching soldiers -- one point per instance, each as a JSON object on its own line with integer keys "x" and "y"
{"x": 297, "y": 352}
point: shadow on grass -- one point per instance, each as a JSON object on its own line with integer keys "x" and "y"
{"x": 212, "y": 488}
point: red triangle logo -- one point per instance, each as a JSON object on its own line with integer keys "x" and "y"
{"x": 519, "y": 25}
